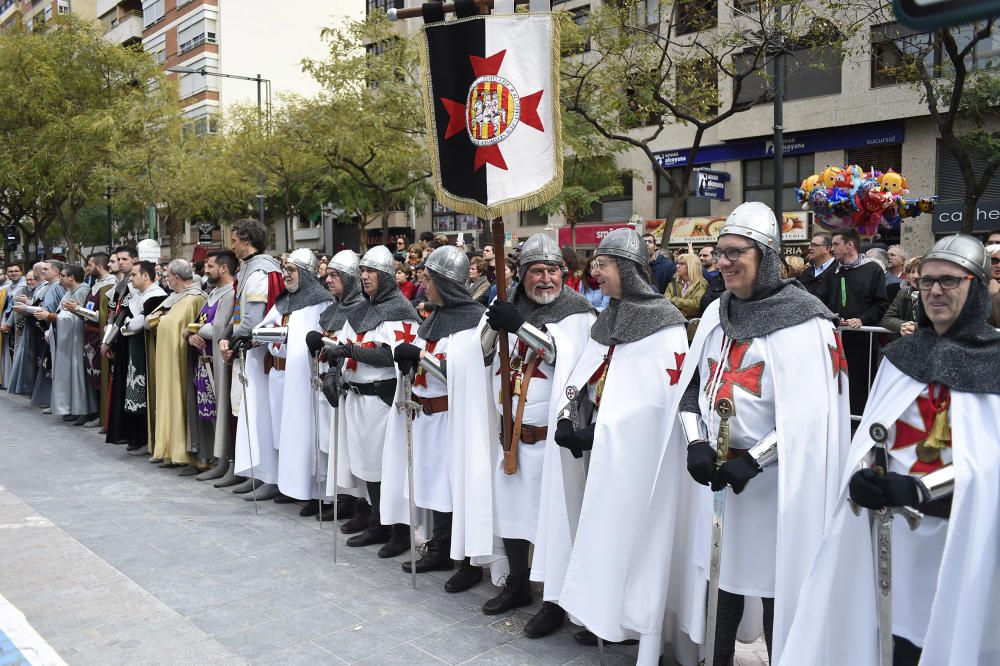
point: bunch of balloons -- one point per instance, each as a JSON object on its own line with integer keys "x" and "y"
{"x": 850, "y": 197}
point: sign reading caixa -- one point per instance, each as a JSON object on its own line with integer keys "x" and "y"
{"x": 948, "y": 216}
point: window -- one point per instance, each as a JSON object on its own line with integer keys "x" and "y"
{"x": 577, "y": 44}
{"x": 695, "y": 15}
{"x": 882, "y": 158}
{"x": 381, "y": 6}
{"x": 809, "y": 72}
{"x": 195, "y": 32}
{"x": 896, "y": 50}
{"x": 157, "y": 47}
{"x": 666, "y": 192}
{"x": 152, "y": 12}
{"x": 647, "y": 12}
{"x": 951, "y": 186}
{"x": 697, "y": 86}
{"x": 617, "y": 207}
{"x": 63, "y": 7}
{"x": 48, "y": 13}
{"x": 532, "y": 218}
{"x": 192, "y": 84}
{"x": 446, "y": 219}
{"x": 758, "y": 179}
{"x": 207, "y": 123}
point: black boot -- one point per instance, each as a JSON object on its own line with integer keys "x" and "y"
{"x": 345, "y": 506}
{"x": 310, "y": 509}
{"x": 516, "y": 593}
{"x": 547, "y": 620}
{"x": 327, "y": 512}
{"x": 435, "y": 558}
{"x": 398, "y": 543}
{"x": 374, "y": 534}
{"x": 359, "y": 521}
{"x": 466, "y": 576}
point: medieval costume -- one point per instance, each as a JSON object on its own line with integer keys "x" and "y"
{"x": 8, "y": 291}
{"x": 48, "y": 297}
{"x": 545, "y": 340}
{"x": 623, "y": 394}
{"x": 932, "y": 421}
{"x": 369, "y": 377}
{"x": 71, "y": 393}
{"x": 112, "y": 336}
{"x": 22, "y": 375}
{"x": 168, "y": 407}
{"x": 257, "y": 285}
{"x": 763, "y": 354}
{"x": 97, "y": 366}
{"x": 209, "y": 394}
{"x": 454, "y": 433}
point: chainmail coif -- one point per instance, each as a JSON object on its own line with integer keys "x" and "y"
{"x": 459, "y": 312}
{"x": 774, "y": 304}
{"x": 349, "y": 308}
{"x": 568, "y": 302}
{"x": 965, "y": 358}
{"x": 310, "y": 292}
{"x": 389, "y": 304}
{"x": 639, "y": 313}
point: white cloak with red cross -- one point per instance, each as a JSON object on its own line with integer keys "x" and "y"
{"x": 836, "y": 622}
{"x": 366, "y": 415}
{"x": 794, "y": 381}
{"x": 632, "y": 434}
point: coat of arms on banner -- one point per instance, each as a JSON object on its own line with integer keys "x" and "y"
{"x": 492, "y": 104}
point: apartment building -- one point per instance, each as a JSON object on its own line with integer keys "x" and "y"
{"x": 851, "y": 111}
{"x": 34, "y": 14}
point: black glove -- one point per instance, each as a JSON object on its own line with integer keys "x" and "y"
{"x": 314, "y": 340}
{"x": 331, "y": 354}
{"x": 701, "y": 462}
{"x": 736, "y": 473}
{"x": 503, "y": 315}
{"x": 576, "y": 441}
{"x": 406, "y": 356}
{"x": 900, "y": 489}
{"x": 331, "y": 386}
{"x": 241, "y": 342}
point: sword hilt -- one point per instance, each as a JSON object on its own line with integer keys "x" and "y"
{"x": 725, "y": 409}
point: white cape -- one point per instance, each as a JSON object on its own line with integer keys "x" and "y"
{"x": 837, "y": 623}
{"x": 256, "y": 454}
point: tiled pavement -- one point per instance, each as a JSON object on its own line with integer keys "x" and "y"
{"x": 115, "y": 561}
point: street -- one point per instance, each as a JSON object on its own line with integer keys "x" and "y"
{"x": 115, "y": 561}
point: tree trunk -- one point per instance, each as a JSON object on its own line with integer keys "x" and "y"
{"x": 571, "y": 221}
{"x": 175, "y": 232}
{"x": 385, "y": 222}
{"x": 969, "y": 207}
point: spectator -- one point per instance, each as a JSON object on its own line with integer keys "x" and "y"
{"x": 993, "y": 238}
{"x": 591, "y": 289}
{"x": 994, "y": 283}
{"x": 685, "y": 291}
{"x": 479, "y": 286}
{"x": 510, "y": 270}
{"x": 892, "y": 283}
{"x": 415, "y": 255}
{"x": 661, "y": 269}
{"x": 901, "y": 317}
{"x": 898, "y": 261}
{"x": 856, "y": 293}
{"x": 400, "y": 251}
{"x": 709, "y": 259}
{"x": 491, "y": 263}
{"x": 794, "y": 265}
{"x": 438, "y": 241}
{"x": 573, "y": 271}
{"x": 324, "y": 261}
{"x": 820, "y": 259}
{"x": 404, "y": 275}
{"x": 425, "y": 240}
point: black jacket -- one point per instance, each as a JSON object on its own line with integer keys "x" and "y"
{"x": 857, "y": 293}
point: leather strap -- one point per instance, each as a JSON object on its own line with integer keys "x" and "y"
{"x": 273, "y": 363}
{"x": 431, "y": 406}
{"x": 522, "y": 398}
{"x": 533, "y": 434}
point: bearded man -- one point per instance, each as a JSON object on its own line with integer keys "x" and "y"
{"x": 95, "y": 316}
{"x": 47, "y": 298}
{"x": 72, "y": 397}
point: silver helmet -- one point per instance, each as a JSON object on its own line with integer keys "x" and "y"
{"x": 756, "y": 221}
{"x": 625, "y": 243}
{"x": 304, "y": 259}
{"x": 379, "y": 258}
{"x": 346, "y": 261}
{"x": 540, "y": 247}
{"x": 964, "y": 251}
{"x": 450, "y": 262}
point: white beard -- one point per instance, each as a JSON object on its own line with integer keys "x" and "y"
{"x": 543, "y": 297}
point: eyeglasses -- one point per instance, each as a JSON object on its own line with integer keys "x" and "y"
{"x": 288, "y": 269}
{"x": 732, "y": 254}
{"x": 602, "y": 263}
{"x": 818, "y": 245}
{"x": 947, "y": 282}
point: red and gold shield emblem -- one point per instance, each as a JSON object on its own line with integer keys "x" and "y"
{"x": 492, "y": 109}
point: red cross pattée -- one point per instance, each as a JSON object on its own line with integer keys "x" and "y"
{"x": 675, "y": 373}
{"x": 910, "y": 434}
{"x": 421, "y": 378}
{"x": 406, "y": 334}
{"x": 734, "y": 374}
{"x": 352, "y": 363}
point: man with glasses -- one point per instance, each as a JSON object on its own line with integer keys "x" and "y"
{"x": 772, "y": 351}
{"x": 661, "y": 268}
{"x": 855, "y": 291}
{"x": 820, "y": 259}
{"x": 935, "y": 410}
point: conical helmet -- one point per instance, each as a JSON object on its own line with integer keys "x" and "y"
{"x": 380, "y": 259}
{"x": 540, "y": 247}
{"x": 964, "y": 251}
{"x": 625, "y": 243}
{"x": 304, "y": 259}
{"x": 756, "y": 221}
{"x": 346, "y": 261}
{"x": 450, "y": 262}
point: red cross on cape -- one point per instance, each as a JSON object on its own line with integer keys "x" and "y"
{"x": 734, "y": 374}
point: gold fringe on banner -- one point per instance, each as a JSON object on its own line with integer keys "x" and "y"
{"x": 519, "y": 204}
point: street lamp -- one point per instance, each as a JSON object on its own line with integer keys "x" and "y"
{"x": 262, "y": 86}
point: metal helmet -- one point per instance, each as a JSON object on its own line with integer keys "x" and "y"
{"x": 450, "y": 262}
{"x": 379, "y": 258}
{"x": 346, "y": 261}
{"x": 756, "y": 221}
{"x": 964, "y": 251}
{"x": 625, "y": 243}
{"x": 304, "y": 259}
{"x": 540, "y": 247}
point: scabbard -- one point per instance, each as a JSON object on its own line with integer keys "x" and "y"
{"x": 510, "y": 459}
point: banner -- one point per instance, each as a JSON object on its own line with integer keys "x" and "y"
{"x": 491, "y": 100}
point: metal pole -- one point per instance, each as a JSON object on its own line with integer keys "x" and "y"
{"x": 260, "y": 174}
{"x": 779, "y": 100}
{"x": 111, "y": 236}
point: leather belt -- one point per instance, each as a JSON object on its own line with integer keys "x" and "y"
{"x": 274, "y": 363}
{"x": 533, "y": 434}
{"x": 360, "y": 389}
{"x": 430, "y": 406}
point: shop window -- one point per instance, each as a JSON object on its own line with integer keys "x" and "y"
{"x": 666, "y": 192}
{"x": 758, "y": 179}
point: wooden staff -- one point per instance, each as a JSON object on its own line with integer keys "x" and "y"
{"x": 506, "y": 425}
{"x": 448, "y": 7}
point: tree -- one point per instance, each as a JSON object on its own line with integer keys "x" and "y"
{"x": 368, "y": 123}
{"x": 644, "y": 68}
{"x": 74, "y": 102}
{"x": 961, "y": 89}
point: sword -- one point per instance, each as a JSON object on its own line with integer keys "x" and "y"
{"x": 409, "y": 408}
{"x": 316, "y": 385}
{"x": 881, "y": 526}
{"x": 246, "y": 406}
{"x": 336, "y": 445}
{"x": 725, "y": 409}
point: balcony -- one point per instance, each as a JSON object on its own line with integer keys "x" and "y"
{"x": 127, "y": 28}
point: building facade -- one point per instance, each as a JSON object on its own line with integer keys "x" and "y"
{"x": 34, "y": 14}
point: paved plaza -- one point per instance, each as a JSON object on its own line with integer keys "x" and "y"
{"x": 112, "y": 560}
